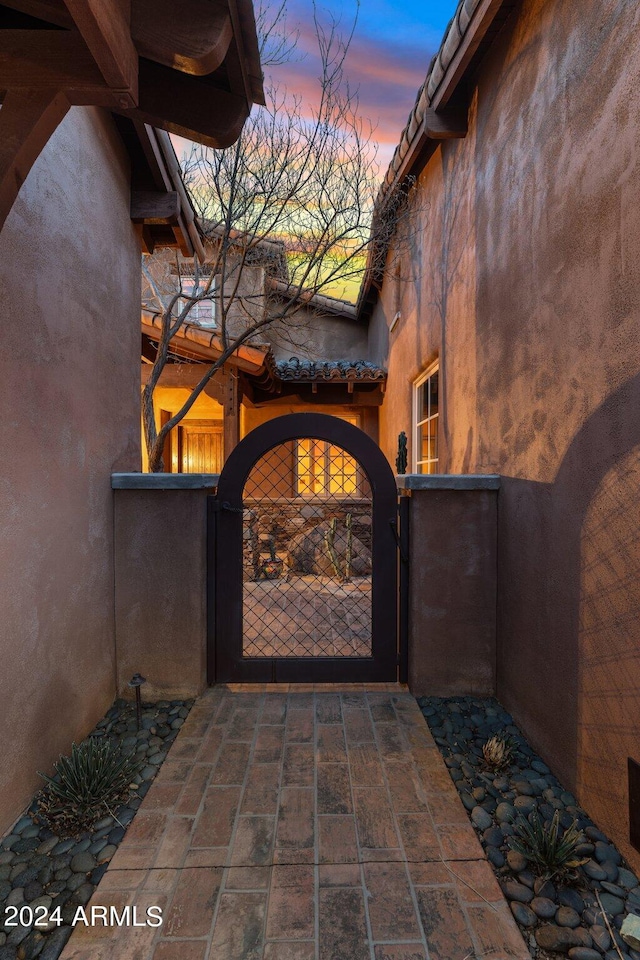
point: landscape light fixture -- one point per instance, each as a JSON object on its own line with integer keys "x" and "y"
{"x": 136, "y": 682}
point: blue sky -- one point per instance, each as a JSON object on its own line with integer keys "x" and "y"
{"x": 390, "y": 54}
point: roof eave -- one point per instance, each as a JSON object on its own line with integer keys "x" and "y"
{"x": 441, "y": 102}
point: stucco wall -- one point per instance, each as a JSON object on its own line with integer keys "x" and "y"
{"x": 524, "y": 280}
{"x": 160, "y": 590}
{"x": 70, "y": 384}
{"x": 452, "y": 592}
{"x": 311, "y": 335}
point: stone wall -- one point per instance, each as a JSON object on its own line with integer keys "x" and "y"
{"x": 286, "y": 518}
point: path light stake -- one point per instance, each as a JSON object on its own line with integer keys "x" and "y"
{"x": 136, "y": 682}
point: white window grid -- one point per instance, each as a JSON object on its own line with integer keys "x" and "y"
{"x": 330, "y": 470}
{"x": 428, "y": 424}
{"x": 204, "y": 312}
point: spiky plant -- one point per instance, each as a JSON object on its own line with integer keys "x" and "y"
{"x": 88, "y": 784}
{"x": 498, "y": 751}
{"x": 550, "y": 852}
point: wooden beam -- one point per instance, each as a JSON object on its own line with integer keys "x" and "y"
{"x": 145, "y": 237}
{"x": 152, "y": 207}
{"x": 185, "y": 376}
{"x": 51, "y": 11}
{"x": 105, "y": 28}
{"x": 187, "y": 106}
{"x": 231, "y": 408}
{"x": 482, "y": 19}
{"x": 152, "y": 150}
{"x": 239, "y": 60}
{"x": 46, "y": 60}
{"x": 27, "y": 120}
{"x": 188, "y": 35}
{"x": 446, "y": 125}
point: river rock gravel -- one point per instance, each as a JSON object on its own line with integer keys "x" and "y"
{"x": 41, "y": 869}
{"x": 557, "y": 919}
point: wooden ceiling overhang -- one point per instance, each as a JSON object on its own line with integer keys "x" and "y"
{"x": 189, "y": 67}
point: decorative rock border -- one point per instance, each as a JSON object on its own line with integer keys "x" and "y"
{"x": 40, "y": 869}
{"x": 554, "y": 918}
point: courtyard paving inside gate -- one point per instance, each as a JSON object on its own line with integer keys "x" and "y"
{"x": 303, "y": 823}
{"x": 307, "y": 617}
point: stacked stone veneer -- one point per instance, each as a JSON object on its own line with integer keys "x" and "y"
{"x": 282, "y": 519}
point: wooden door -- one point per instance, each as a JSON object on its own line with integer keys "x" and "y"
{"x": 200, "y": 446}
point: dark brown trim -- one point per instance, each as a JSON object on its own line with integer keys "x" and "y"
{"x": 226, "y": 626}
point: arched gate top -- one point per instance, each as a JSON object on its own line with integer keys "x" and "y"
{"x": 295, "y": 426}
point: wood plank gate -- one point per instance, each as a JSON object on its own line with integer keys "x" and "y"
{"x": 303, "y": 557}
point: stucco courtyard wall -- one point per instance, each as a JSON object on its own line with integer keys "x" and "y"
{"x": 523, "y": 280}
{"x": 69, "y": 382}
{"x": 161, "y": 583}
{"x": 452, "y": 573}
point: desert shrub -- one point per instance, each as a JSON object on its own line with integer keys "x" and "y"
{"x": 550, "y": 851}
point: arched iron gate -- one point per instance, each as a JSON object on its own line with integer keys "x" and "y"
{"x": 303, "y": 557}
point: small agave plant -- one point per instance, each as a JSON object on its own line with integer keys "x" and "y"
{"x": 86, "y": 785}
{"x": 550, "y": 852}
{"x": 498, "y": 751}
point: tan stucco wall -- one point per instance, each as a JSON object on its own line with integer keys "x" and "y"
{"x": 452, "y": 592}
{"x": 311, "y": 335}
{"x": 160, "y": 590}
{"x": 70, "y": 383}
{"x": 525, "y": 282}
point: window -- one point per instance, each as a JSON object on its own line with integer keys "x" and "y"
{"x": 324, "y": 470}
{"x": 425, "y": 420}
{"x": 202, "y": 313}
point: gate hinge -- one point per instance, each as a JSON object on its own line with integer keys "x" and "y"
{"x": 217, "y": 507}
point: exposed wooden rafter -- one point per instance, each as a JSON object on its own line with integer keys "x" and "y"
{"x": 188, "y": 35}
{"x": 153, "y": 207}
{"x": 27, "y": 120}
{"x": 177, "y": 65}
{"x": 53, "y": 60}
{"x": 446, "y": 124}
{"x": 104, "y": 25}
{"x": 177, "y": 99}
{"x": 196, "y": 41}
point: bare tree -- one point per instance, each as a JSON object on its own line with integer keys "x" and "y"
{"x": 301, "y": 182}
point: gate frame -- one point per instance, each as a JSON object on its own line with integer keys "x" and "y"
{"x": 224, "y": 575}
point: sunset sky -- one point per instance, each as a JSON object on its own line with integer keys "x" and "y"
{"x": 388, "y": 60}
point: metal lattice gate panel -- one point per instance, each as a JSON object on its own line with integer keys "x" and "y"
{"x": 302, "y": 556}
{"x": 307, "y": 554}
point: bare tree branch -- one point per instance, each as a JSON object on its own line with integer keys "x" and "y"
{"x": 294, "y": 196}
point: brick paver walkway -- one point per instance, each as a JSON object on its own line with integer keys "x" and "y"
{"x": 303, "y": 825}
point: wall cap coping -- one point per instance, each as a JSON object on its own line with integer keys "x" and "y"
{"x": 448, "y": 481}
{"x": 164, "y": 481}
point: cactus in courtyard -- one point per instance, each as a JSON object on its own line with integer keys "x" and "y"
{"x": 349, "y": 549}
{"x": 330, "y": 541}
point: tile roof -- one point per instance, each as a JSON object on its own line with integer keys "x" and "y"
{"x": 337, "y": 370}
{"x": 453, "y": 37}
